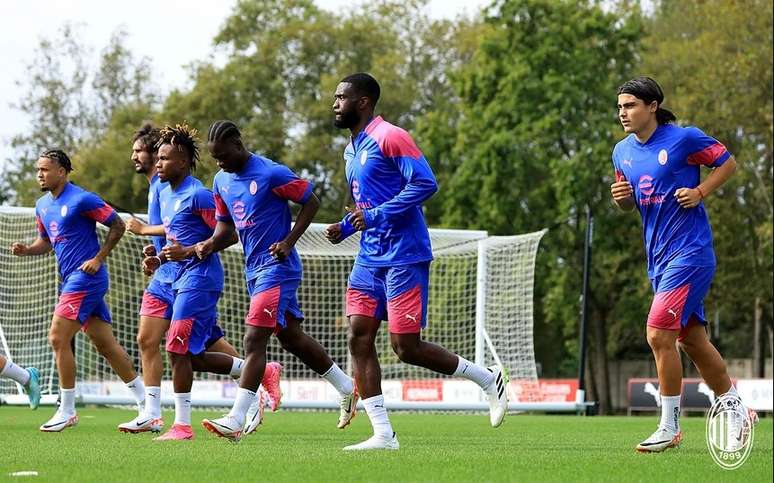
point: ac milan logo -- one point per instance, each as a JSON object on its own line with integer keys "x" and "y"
{"x": 253, "y": 187}
{"x": 63, "y": 211}
{"x": 662, "y": 157}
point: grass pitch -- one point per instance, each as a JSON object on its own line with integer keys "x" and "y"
{"x": 306, "y": 446}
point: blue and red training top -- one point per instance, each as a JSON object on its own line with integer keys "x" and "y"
{"x": 188, "y": 216}
{"x": 68, "y": 222}
{"x": 389, "y": 179}
{"x": 669, "y": 160}
{"x": 256, "y": 199}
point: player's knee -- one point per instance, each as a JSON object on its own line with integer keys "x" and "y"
{"x": 58, "y": 341}
{"x": 660, "y": 341}
{"x": 359, "y": 343}
{"x": 253, "y": 342}
{"x": 147, "y": 344}
{"x": 406, "y": 352}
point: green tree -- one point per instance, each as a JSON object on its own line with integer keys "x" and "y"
{"x": 532, "y": 142}
{"x": 716, "y": 71}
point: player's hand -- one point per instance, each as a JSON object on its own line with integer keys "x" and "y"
{"x": 621, "y": 190}
{"x": 203, "y": 249}
{"x": 688, "y": 197}
{"x": 357, "y": 218}
{"x": 149, "y": 251}
{"x": 91, "y": 266}
{"x": 280, "y": 250}
{"x": 176, "y": 252}
{"x": 135, "y": 226}
{"x": 333, "y": 233}
{"x": 150, "y": 265}
{"x": 19, "y": 249}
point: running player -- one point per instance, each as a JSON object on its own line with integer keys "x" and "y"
{"x": 28, "y": 378}
{"x": 66, "y": 220}
{"x": 389, "y": 179}
{"x": 252, "y": 194}
{"x": 156, "y": 310}
{"x": 657, "y": 171}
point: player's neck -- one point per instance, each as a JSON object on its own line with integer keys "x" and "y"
{"x": 364, "y": 121}
{"x": 150, "y": 174}
{"x": 646, "y": 132}
{"x": 58, "y": 190}
{"x": 174, "y": 183}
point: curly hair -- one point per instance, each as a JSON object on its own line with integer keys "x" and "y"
{"x": 148, "y": 137}
{"x": 183, "y": 138}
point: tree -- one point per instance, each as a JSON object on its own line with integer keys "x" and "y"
{"x": 716, "y": 71}
{"x": 532, "y": 140}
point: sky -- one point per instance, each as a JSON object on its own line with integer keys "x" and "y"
{"x": 23, "y": 23}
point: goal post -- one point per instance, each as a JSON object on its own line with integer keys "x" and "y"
{"x": 480, "y": 306}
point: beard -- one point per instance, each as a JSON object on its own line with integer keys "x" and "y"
{"x": 348, "y": 120}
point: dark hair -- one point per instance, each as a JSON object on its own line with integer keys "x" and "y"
{"x": 223, "y": 130}
{"x": 183, "y": 137}
{"x": 365, "y": 85}
{"x": 648, "y": 90}
{"x": 148, "y": 137}
{"x": 60, "y": 157}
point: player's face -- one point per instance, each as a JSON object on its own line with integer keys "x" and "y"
{"x": 172, "y": 165}
{"x": 142, "y": 159}
{"x": 345, "y": 104}
{"x": 634, "y": 114}
{"x": 50, "y": 174}
{"x": 227, "y": 154}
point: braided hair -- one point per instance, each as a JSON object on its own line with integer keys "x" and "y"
{"x": 183, "y": 138}
{"x": 222, "y": 130}
{"x": 60, "y": 157}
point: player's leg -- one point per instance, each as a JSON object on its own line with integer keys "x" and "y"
{"x": 149, "y": 336}
{"x": 710, "y": 364}
{"x": 100, "y": 331}
{"x": 407, "y": 297}
{"x": 29, "y": 379}
{"x": 193, "y": 317}
{"x": 59, "y": 336}
{"x": 231, "y": 425}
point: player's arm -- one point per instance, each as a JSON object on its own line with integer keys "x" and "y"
{"x": 137, "y": 227}
{"x": 281, "y": 249}
{"x": 37, "y": 247}
{"x": 691, "y": 197}
{"x": 116, "y": 230}
{"x": 338, "y": 232}
{"x": 224, "y": 236}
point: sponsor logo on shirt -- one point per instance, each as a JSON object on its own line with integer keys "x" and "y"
{"x": 355, "y": 190}
{"x": 53, "y": 228}
{"x": 646, "y": 190}
{"x": 238, "y": 208}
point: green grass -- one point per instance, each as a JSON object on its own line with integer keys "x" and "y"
{"x": 306, "y": 446}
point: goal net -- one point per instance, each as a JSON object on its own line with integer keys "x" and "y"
{"x": 480, "y": 306}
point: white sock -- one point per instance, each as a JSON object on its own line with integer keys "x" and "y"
{"x": 244, "y": 398}
{"x": 731, "y": 392}
{"x": 138, "y": 390}
{"x": 153, "y": 401}
{"x": 12, "y": 371}
{"x": 183, "y": 408}
{"x": 339, "y": 379}
{"x": 670, "y": 413}
{"x": 374, "y": 407}
{"x": 473, "y": 372}
{"x": 67, "y": 400}
{"x": 236, "y": 368}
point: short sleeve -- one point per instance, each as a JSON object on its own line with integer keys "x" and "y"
{"x": 285, "y": 184}
{"x": 91, "y": 206}
{"x": 203, "y": 205}
{"x": 40, "y": 227}
{"x": 221, "y": 209}
{"x": 704, "y": 150}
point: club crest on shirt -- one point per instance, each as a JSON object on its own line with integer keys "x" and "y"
{"x": 63, "y": 211}
{"x": 253, "y": 187}
{"x": 363, "y": 158}
{"x": 662, "y": 157}
{"x": 177, "y": 205}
